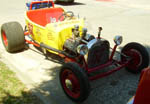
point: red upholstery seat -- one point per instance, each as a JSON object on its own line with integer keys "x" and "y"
{"x": 45, "y": 16}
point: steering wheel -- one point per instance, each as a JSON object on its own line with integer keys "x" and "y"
{"x": 66, "y": 15}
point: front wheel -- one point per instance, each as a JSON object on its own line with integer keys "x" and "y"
{"x": 74, "y": 82}
{"x": 138, "y": 57}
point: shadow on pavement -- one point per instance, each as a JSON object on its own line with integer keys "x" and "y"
{"x": 117, "y": 88}
{"x": 70, "y": 4}
{"x": 120, "y": 85}
{"x": 51, "y": 89}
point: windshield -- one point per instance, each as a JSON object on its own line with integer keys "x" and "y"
{"x": 37, "y": 4}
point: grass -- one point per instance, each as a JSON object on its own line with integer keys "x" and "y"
{"x": 12, "y": 90}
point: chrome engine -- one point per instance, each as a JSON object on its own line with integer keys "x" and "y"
{"x": 97, "y": 50}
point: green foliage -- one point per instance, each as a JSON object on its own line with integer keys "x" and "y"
{"x": 12, "y": 91}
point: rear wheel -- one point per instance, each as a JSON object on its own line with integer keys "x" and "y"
{"x": 138, "y": 54}
{"x": 12, "y": 36}
{"x": 74, "y": 82}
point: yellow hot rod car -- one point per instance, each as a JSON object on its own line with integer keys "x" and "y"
{"x": 59, "y": 32}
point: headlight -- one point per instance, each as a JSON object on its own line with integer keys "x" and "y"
{"x": 82, "y": 49}
{"x": 118, "y": 40}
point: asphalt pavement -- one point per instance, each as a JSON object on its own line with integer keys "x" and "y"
{"x": 131, "y": 19}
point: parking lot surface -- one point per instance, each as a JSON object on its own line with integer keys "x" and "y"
{"x": 131, "y": 19}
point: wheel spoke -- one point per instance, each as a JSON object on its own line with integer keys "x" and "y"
{"x": 71, "y": 83}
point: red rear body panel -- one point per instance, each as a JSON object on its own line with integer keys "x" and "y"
{"x": 143, "y": 92}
